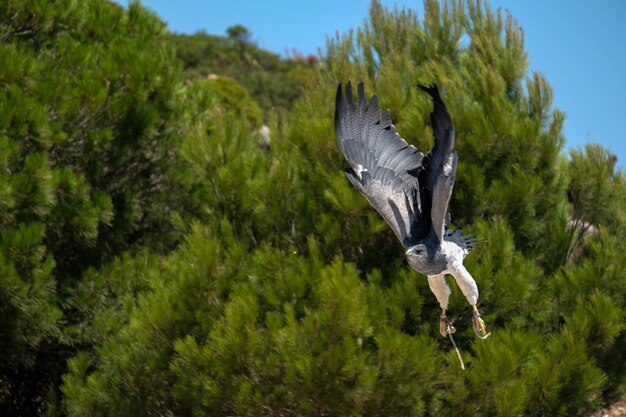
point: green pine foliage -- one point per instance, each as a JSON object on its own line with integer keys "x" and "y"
{"x": 234, "y": 100}
{"x": 288, "y": 295}
{"x": 89, "y": 131}
{"x": 593, "y": 179}
{"x": 272, "y": 82}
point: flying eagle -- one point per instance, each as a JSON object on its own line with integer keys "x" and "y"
{"x": 410, "y": 190}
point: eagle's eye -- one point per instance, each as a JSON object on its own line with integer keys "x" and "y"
{"x": 416, "y": 251}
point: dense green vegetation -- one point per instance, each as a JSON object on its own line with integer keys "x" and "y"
{"x": 274, "y": 83}
{"x": 155, "y": 261}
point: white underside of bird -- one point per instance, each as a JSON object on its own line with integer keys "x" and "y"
{"x": 454, "y": 254}
{"x": 438, "y": 285}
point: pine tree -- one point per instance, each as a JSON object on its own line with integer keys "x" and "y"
{"x": 88, "y": 148}
{"x": 596, "y": 191}
{"x": 273, "y": 82}
{"x": 290, "y": 295}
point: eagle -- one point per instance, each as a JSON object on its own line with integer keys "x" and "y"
{"x": 410, "y": 190}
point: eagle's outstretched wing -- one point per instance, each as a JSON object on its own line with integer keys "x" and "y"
{"x": 411, "y": 191}
{"x": 439, "y": 165}
{"x": 382, "y": 165}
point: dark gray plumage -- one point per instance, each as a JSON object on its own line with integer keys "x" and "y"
{"x": 410, "y": 190}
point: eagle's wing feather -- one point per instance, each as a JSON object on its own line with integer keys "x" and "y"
{"x": 383, "y": 166}
{"x": 439, "y": 165}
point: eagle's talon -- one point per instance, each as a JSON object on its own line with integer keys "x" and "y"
{"x": 445, "y": 327}
{"x": 479, "y": 326}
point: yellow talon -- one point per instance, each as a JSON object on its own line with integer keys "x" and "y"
{"x": 479, "y": 325}
{"x": 445, "y": 327}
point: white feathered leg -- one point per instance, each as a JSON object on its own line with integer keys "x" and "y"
{"x": 439, "y": 287}
{"x": 470, "y": 291}
{"x": 465, "y": 282}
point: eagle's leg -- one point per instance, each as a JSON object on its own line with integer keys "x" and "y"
{"x": 445, "y": 327}
{"x": 470, "y": 291}
{"x": 478, "y": 324}
{"x": 439, "y": 287}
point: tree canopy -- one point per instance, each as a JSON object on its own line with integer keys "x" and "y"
{"x": 155, "y": 261}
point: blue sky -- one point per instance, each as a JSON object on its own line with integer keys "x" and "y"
{"x": 579, "y": 45}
